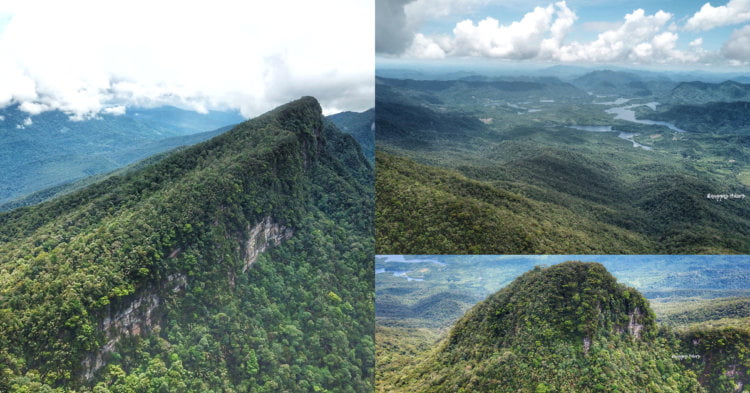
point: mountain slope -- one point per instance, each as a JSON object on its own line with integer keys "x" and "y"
{"x": 424, "y": 210}
{"x": 694, "y": 93}
{"x": 361, "y": 126}
{"x": 714, "y": 117}
{"x": 613, "y": 82}
{"x": 565, "y": 328}
{"x": 550, "y": 202}
{"x": 242, "y": 263}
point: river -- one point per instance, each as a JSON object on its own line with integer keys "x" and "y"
{"x": 628, "y": 136}
{"x": 627, "y": 114}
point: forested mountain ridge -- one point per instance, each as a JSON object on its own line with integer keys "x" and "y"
{"x": 696, "y": 92}
{"x": 359, "y": 125}
{"x": 714, "y": 117}
{"x": 566, "y": 328}
{"x": 240, "y": 264}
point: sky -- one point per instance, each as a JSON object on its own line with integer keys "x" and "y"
{"x": 671, "y": 33}
{"x": 92, "y": 57}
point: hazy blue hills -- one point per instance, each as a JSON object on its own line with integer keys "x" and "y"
{"x": 696, "y": 92}
{"x": 405, "y": 286}
{"x": 612, "y": 82}
{"x": 361, "y": 125}
{"x": 59, "y": 155}
{"x": 50, "y": 149}
{"x": 624, "y": 83}
{"x": 455, "y": 91}
{"x": 566, "y": 73}
{"x": 184, "y": 121}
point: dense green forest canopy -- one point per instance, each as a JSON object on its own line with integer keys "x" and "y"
{"x": 567, "y": 327}
{"x": 502, "y": 165}
{"x": 60, "y": 156}
{"x": 243, "y": 263}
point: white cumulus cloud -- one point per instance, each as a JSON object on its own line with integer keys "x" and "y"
{"x": 489, "y": 38}
{"x": 737, "y": 48}
{"x": 637, "y": 38}
{"x": 425, "y": 48}
{"x": 87, "y": 57}
{"x": 541, "y": 34}
{"x": 709, "y": 17}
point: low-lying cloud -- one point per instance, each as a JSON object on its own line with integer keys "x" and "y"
{"x": 89, "y": 57}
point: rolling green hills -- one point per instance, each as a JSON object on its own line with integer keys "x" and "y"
{"x": 242, "y": 263}
{"x": 421, "y": 209}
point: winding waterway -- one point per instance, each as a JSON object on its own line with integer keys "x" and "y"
{"x": 627, "y": 114}
{"x": 628, "y": 136}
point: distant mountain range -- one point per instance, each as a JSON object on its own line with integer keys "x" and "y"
{"x": 360, "y": 125}
{"x": 564, "y": 72}
{"x": 50, "y": 149}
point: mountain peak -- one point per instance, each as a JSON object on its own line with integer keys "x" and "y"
{"x": 566, "y": 328}
{"x": 303, "y": 115}
{"x": 306, "y": 103}
{"x": 575, "y": 301}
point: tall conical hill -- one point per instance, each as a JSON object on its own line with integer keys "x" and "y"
{"x": 568, "y": 328}
{"x": 575, "y": 300}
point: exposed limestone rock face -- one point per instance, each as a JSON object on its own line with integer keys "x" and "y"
{"x": 634, "y": 328}
{"x": 138, "y": 317}
{"x": 261, "y": 237}
{"x": 141, "y": 314}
